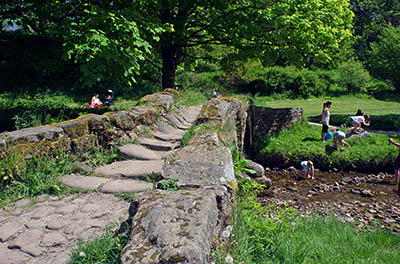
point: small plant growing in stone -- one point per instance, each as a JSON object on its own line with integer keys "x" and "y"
{"x": 168, "y": 185}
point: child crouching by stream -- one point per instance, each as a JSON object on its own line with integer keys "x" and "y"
{"x": 307, "y": 166}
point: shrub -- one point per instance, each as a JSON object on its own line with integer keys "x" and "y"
{"x": 302, "y": 142}
{"x": 354, "y": 76}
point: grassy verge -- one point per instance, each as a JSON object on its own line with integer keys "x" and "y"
{"x": 302, "y": 142}
{"x": 103, "y": 249}
{"x": 278, "y": 235}
{"x": 20, "y": 178}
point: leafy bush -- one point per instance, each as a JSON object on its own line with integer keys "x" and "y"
{"x": 353, "y": 76}
{"x": 204, "y": 82}
{"x": 290, "y": 80}
{"x": 302, "y": 142}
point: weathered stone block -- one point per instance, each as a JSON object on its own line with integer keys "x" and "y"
{"x": 121, "y": 120}
{"x": 218, "y": 110}
{"x": 76, "y": 127}
{"x": 145, "y": 115}
{"x": 98, "y": 123}
{"x": 163, "y": 100}
{"x": 204, "y": 161}
{"x": 176, "y": 227}
{"x": 84, "y": 143}
{"x": 31, "y": 134}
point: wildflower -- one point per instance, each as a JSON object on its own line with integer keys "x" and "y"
{"x": 228, "y": 259}
{"x": 82, "y": 254}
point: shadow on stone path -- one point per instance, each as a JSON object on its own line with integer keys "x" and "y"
{"x": 45, "y": 231}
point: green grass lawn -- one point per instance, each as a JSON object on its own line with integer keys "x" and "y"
{"x": 340, "y": 105}
{"x": 302, "y": 142}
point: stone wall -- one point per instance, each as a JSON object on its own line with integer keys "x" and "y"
{"x": 266, "y": 120}
{"x": 85, "y": 132}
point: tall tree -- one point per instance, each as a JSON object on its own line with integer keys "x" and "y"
{"x": 108, "y": 38}
{"x": 289, "y": 29}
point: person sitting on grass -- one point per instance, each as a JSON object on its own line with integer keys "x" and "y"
{"x": 307, "y": 166}
{"x": 357, "y": 121}
{"x": 396, "y": 165}
{"x": 95, "y": 103}
{"x": 338, "y": 137}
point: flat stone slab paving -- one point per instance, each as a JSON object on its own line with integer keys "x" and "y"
{"x": 126, "y": 186}
{"x": 156, "y": 144}
{"x": 84, "y": 182}
{"x": 130, "y": 168}
{"x": 45, "y": 231}
{"x": 138, "y": 152}
{"x": 167, "y": 137}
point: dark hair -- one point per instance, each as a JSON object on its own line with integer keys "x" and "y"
{"x": 359, "y": 112}
{"x": 325, "y": 105}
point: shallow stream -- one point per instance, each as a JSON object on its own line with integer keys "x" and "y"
{"x": 359, "y": 198}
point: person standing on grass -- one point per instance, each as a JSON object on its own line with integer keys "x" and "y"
{"x": 396, "y": 165}
{"x": 325, "y": 119}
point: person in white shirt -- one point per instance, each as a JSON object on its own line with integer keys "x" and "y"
{"x": 357, "y": 121}
{"x": 307, "y": 166}
{"x": 325, "y": 119}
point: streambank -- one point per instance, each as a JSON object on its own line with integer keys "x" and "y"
{"x": 359, "y": 198}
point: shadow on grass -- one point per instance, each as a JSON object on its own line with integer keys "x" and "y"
{"x": 311, "y": 139}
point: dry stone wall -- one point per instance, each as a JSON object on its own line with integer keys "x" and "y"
{"x": 82, "y": 134}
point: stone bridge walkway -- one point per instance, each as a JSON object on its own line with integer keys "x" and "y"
{"x": 44, "y": 231}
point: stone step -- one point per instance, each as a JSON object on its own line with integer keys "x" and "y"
{"x": 190, "y": 114}
{"x": 130, "y": 168}
{"x": 126, "y": 186}
{"x": 165, "y": 128}
{"x": 84, "y": 182}
{"x": 106, "y": 185}
{"x": 138, "y": 152}
{"x": 167, "y": 137}
{"x": 156, "y": 144}
{"x": 175, "y": 120}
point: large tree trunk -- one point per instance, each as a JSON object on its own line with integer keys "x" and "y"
{"x": 171, "y": 56}
{"x": 168, "y": 66}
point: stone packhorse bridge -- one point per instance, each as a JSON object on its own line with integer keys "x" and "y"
{"x": 181, "y": 226}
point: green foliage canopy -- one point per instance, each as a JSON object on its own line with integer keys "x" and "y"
{"x": 109, "y": 39}
{"x": 96, "y": 35}
{"x": 291, "y": 30}
{"x": 384, "y": 56}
